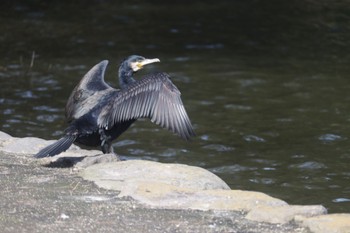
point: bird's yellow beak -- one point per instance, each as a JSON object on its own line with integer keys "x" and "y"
{"x": 146, "y": 62}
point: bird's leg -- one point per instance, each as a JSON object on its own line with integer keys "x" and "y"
{"x": 106, "y": 144}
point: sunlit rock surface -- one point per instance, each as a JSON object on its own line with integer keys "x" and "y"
{"x": 335, "y": 223}
{"x": 152, "y": 185}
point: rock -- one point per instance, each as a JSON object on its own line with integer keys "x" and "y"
{"x": 131, "y": 173}
{"x": 36, "y": 198}
{"x": 174, "y": 186}
{"x": 99, "y": 158}
{"x": 166, "y": 196}
{"x": 4, "y": 136}
{"x": 28, "y": 145}
{"x": 73, "y": 156}
{"x": 335, "y": 223}
{"x": 160, "y": 186}
{"x": 244, "y": 200}
{"x": 25, "y": 146}
{"x": 284, "y": 214}
{"x": 177, "y": 186}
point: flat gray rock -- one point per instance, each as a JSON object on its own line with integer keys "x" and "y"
{"x": 126, "y": 175}
{"x": 178, "y": 186}
{"x": 335, "y": 223}
{"x": 4, "y": 135}
{"x": 26, "y": 146}
{"x": 283, "y": 214}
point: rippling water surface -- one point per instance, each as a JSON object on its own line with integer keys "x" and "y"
{"x": 268, "y": 96}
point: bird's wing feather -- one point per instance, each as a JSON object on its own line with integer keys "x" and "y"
{"x": 154, "y": 97}
{"x": 91, "y": 84}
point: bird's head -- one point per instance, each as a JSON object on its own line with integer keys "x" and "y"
{"x": 131, "y": 65}
{"x": 136, "y": 62}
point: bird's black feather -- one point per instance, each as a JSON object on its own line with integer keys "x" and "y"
{"x": 56, "y": 148}
{"x": 154, "y": 97}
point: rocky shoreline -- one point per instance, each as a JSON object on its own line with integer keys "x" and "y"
{"x": 86, "y": 191}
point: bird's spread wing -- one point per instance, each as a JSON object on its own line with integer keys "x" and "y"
{"x": 154, "y": 97}
{"x": 91, "y": 84}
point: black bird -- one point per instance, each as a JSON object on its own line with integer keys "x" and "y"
{"x": 97, "y": 113}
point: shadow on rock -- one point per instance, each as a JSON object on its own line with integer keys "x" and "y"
{"x": 82, "y": 161}
{"x": 65, "y": 162}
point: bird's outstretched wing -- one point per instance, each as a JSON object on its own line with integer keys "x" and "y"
{"x": 91, "y": 84}
{"x": 154, "y": 97}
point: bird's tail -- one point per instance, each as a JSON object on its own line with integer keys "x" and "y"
{"x": 59, "y": 146}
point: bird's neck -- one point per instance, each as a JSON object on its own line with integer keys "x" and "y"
{"x": 125, "y": 78}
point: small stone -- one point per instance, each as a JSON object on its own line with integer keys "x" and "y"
{"x": 64, "y": 216}
{"x": 101, "y": 158}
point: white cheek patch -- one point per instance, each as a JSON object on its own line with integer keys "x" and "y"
{"x": 134, "y": 66}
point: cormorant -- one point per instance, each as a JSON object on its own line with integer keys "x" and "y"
{"x": 97, "y": 113}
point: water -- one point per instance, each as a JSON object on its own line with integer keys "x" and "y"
{"x": 266, "y": 87}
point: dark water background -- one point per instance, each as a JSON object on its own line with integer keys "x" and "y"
{"x": 266, "y": 83}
